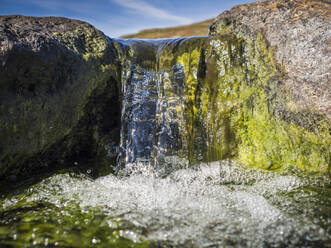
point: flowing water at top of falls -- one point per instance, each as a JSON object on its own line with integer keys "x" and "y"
{"x": 154, "y": 125}
{"x": 177, "y": 185}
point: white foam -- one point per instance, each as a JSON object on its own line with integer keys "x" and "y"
{"x": 215, "y": 204}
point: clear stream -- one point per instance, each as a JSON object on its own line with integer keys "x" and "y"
{"x": 160, "y": 196}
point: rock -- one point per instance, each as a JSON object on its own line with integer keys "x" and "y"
{"x": 57, "y": 79}
{"x": 256, "y": 92}
{"x": 299, "y": 30}
{"x": 288, "y": 124}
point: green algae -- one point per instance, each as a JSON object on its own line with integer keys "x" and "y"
{"x": 232, "y": 98}
{"x": 262, "y": 139}
{"x": 179, "y": 63}
{"x": 42, "y": 224}
{"x": 190, "y": 62}
{"x": 40, "y": 215}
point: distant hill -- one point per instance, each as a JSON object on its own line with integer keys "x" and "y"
{"x": 195, "y": 29}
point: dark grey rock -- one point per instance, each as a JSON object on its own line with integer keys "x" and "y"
{"x": 58, "y": 78}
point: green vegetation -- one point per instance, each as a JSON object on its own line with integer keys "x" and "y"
{"x": 42, "y": 224}
{"x": 91, "y": 42}
{"x": 230, "y": 104}
{"x": 246, "y": 69}
{"x": 196, "y": 29}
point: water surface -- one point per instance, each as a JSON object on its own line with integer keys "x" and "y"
{"x": 219, "y": 204}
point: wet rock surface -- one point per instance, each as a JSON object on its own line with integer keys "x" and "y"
{"x": 57, "y": 79}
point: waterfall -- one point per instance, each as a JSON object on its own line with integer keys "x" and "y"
{"x": 154, "y": 97}
{"x": 139, "y": 90}
{"x": 204, "y": 99}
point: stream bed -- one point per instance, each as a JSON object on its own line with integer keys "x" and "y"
{"x": 219, "y": 204}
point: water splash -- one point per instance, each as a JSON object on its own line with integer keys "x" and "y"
{"x": 216, "y": 204}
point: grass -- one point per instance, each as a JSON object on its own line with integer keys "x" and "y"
{"x": 195, "y": 29}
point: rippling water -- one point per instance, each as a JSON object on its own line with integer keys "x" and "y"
{"x": 219, "y": 204}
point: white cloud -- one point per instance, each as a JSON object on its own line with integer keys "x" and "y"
{"x": 147, "y": 9}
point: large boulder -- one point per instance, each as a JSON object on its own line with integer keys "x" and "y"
{"x": 300, "y": 33}
{"x": 289, "y": 123}
{"x": 57, "y": 79}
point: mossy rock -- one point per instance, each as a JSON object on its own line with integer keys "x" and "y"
{"x": 252, "y": 91}
{"x": 54, "y": 71}
{"x": 282, "y": 119}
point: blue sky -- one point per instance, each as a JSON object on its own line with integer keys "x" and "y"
{"x": 119, "y": 17}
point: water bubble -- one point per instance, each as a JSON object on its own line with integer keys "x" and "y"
{"x": 207, "y": 204}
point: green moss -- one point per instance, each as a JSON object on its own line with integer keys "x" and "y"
{"x": 42, "y": 224}
{"x": 190, "y": 62}
{"x": 261, "y": 138}
{"x": 84, "y": 40}
{"x": 229, "y": 109}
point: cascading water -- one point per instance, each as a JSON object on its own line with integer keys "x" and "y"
{"x": 170, "y": 194}
{"x": 154, "y": 125}
{"x": 139, "y": 90}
